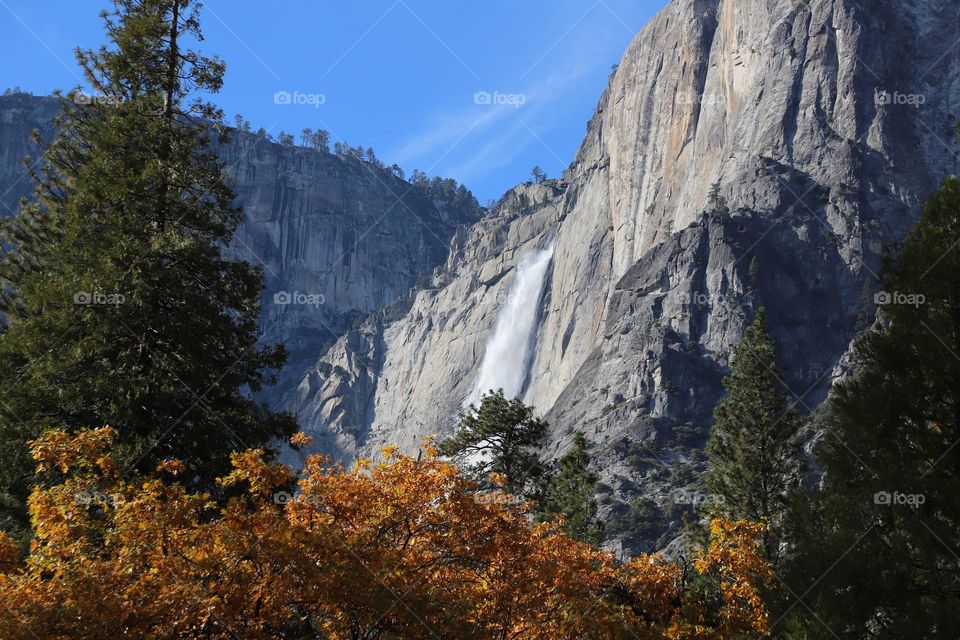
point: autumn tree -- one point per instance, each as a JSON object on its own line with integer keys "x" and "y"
{"x": 120, "y": 306}
{"x": 400, "y": 549}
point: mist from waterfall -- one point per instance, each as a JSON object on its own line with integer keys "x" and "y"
{"x": 509, "y": 350}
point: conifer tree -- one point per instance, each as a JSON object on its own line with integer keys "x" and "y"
{"x": 755, "y": 454}
{"x": 500, "y": 436}
{"x": 571, "y": 493}
{"x": 879, "y": 545}
{"x": 121, "y": 308}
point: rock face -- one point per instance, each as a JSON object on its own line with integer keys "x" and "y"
{"x": 20, "y": 115}
{"x": 824, "y": 124}
{"x": 337, "y": 238}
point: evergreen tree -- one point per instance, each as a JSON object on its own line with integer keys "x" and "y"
{"x": 120, "y": 307}
{"x": 500, "y": 436}
{"x": 880, "y": 543}
{"x": 755, "y": 454}
{"x": 321, "y": 140}
{"x": 721, "y": 210}
{"x": 538, "y": 174}
{"x": 306, "y": 137}
{"x": 571, "y": 493}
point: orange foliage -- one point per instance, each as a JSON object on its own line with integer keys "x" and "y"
{"x": 402, "y": 549}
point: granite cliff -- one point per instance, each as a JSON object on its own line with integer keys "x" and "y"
{"x": 744, "y": 154}
{"x": 337, "y": 238}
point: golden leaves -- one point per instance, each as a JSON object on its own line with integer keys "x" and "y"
{"x": 87, "y": 450}
{"x": 300, "y": 440}
{"x": 403, "y": 548}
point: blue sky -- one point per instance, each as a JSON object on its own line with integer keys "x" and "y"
{"x": 401, "y": 76}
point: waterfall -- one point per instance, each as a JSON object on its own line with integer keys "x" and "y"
{"x": 509, "y": 350}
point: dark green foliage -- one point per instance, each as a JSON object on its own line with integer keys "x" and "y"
{"x": 721, "y": 210}
{"x": 501, "y": 436}
{"x": 121, "y": 309}
{"x": 319, "y": 139}
{"x": 571, "y": 494}
{"x": 539, "y": 175}
{"x": 879, "y": 545}
{"x": 755, "y": 453}
{"x": 639, "y": 522}
{"x": 447, "y": 191}
{"x": 504, "y": 437}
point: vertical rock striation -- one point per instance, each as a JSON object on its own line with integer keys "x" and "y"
{"x": 824, "y": 124}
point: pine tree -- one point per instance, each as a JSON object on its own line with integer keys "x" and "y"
{"x": 571, "y": 493}
{"x": 500, "y": 436}
{"x": 755, "y": 454}
{"x": 121, "y": 308}
{"x": 721, "y": 210}
{"x": 880, "y": 542}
